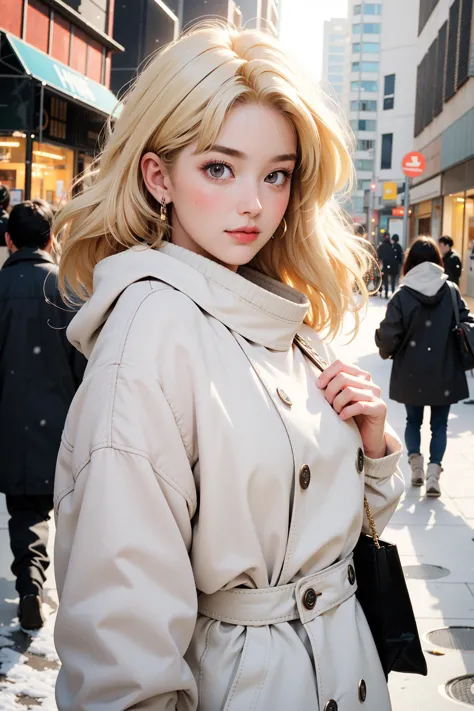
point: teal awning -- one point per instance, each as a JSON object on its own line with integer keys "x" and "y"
{"x": 62, "y": 78}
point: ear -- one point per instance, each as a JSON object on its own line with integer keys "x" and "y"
{"x": 156, "y": 177}
{"x": 9, "y": 242}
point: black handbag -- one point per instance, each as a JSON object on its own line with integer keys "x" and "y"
{"x": 463, "y": 332}
{"x": 381, "y": 588}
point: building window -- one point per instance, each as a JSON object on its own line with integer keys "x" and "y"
{"x": 365, "y": 47}
{"x": 426, "y": 9}
{"x": 335, "y": 78}
{"x": 371, "y": 28}
{"x": 364, "y": 105}
{"x": 365, "y": 144}
{"x": 365, "y": 67}
{"x": 389, "y": 92}
{"x": 363, "y": 185}
{"x": 365, "y": 85}
{"x": 440, "y": 70}
{"x": 366, "y": 28}
{"x": 363, "y": 164}
{"x": 336, "y": 68}
{"x": 363, "y": 125}
{"x": 336, "y": 58}
{"x": 387, "y": 144}
{"x": 337, "y": 50}
{"x": 465, "y": 25}
{"x": 450, "y": 80}
{"x": 357, "y": 9}
{"x": 372, "y": 9}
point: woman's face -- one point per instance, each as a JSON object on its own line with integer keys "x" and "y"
{"x": 228, "y": 202}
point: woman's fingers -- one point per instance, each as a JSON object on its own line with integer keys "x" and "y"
{"x": 350, "y": 395}
{"x": 344, "y": 380}
{"x": 338, "y": 367}
{"x": 375, "y": 409}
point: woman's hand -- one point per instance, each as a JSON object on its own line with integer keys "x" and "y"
{"x": 352, "y": 393}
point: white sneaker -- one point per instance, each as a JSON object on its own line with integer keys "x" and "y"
{"x": 416, "y": 463}
{"x": 432, "y": 480}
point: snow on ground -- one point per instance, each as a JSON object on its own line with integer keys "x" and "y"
{"x": 28, "y": 666}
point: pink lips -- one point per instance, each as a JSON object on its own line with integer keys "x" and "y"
{"x": 244, "y": 235}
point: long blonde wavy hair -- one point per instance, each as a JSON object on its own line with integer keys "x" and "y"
{"x": 183, "y": 96}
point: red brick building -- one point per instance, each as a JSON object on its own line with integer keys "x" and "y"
{"x": 55, "y": 65}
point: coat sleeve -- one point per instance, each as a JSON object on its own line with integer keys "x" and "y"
{"x": 465, "y": 316}
{"x": 389, "y": 335}
{"x": 384, "y": 483}
{"x": 128, "y": 601}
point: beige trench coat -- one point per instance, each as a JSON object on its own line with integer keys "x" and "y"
{"x": 201, "y": 468}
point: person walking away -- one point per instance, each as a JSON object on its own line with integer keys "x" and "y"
{"x": 451, "y": 259}
{"x": 39, "y": 374}
{"x": 388, "y": 263}
{"x": 417, "y": 334}
{"x": 398, "y": 258}
{"x": 4, "y": 205}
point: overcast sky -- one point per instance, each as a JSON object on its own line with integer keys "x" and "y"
{"x": 302, "y": 25}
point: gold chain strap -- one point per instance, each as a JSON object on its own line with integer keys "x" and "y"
{"x": 370, "y": 518}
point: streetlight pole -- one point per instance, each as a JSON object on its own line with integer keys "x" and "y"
{"x": 406, "y": 200}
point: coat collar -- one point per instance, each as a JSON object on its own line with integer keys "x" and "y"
{"x": 261, "y": 309}
{"x": 28, "y": 254}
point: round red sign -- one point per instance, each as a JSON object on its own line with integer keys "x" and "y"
{"x": 413, "y": 164}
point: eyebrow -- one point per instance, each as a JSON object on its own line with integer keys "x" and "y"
{"x": 238, "y": 154}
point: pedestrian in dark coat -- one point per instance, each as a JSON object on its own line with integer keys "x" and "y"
{"x": 417, "y": 333}
{"x": 398, "y": 257}
{"x": 390, "y": 267}
{"x": 39, "y": 374}
{"x": 451, "y": 260}
{"x": 4, "y": 205}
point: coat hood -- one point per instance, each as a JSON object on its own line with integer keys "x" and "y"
{"x": 261, "y": 309}
{"x": 427, "y": 279}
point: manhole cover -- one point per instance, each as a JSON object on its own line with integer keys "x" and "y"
{"x": 425, "y": 572}
{"x": 461, "y": 689}
{"x": 461, "y": 638}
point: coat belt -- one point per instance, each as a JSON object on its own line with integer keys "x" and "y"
{"x": 305, "y": 600}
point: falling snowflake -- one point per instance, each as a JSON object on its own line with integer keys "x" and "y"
{"x": 36, "y": 350}
{"x": 428, "y": 324}
{"x": 12, "y": 372}
{"x": 429, "y": 348}
{"x": 447, "y": 393}
{"x": 412, "y": 344}
{"x": 42, "y": 423}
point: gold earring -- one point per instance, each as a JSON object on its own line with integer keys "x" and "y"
{"x": 163, "y": 210}
{"x": 285, "y": 228}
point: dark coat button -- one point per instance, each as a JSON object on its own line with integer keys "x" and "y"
{"x": 305, "y": 476}
{"x": 360, "y": 461}
{"x": 362, "y": 691}
{"x": 351, "y": 574}
{"x": 331, "y": 705}
{"x": 309, "y": 599}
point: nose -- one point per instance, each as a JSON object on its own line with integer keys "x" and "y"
{"x": 249, "y": 203}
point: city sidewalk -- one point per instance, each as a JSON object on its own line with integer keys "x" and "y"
{"x": 427, "y": 531}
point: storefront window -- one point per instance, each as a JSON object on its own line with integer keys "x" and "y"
{"x": 422, "y": 218}
{"x": 12, "y": 165}
{"x": 52, "y": 172}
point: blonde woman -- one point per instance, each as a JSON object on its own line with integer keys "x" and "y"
{"x": 210, "y": 482}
